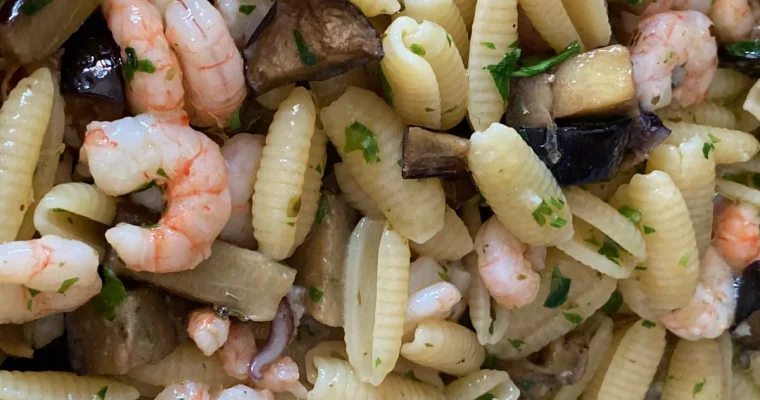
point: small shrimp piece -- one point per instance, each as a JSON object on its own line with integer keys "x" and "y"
{"x": 242, "y": 392}
{"x": 130, "y": 153}
{"x": 154, "y": 77}
{"x": 48, "y": 264}
{"x": 18, "y": 304}
{"x": 736, "y": 234}
{"x": 282, "y": 376}
{"x": 208, "y": 330}
{"x": 237, "y": 352}
{"x": 242, "y": 25}
{"x": 211, "y": 62}
{"x": 242, "y": 154}
{"x": 507, "y": 265}
{"x": 187, "y": 391}
{"x": 711, "y": 310}
{"x": 674, "y": 59}
{"x": 432, "y": 302}
{"x": 733, "y": 19}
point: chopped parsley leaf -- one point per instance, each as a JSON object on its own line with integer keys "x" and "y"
{"x": 560, "y": 287}
{"x": 631, "y": 213}
{"x": 648, "y": 230}
{"x": 410, "y": 375}
{"x": 67, "y": 284}
{"x": 648, "y": 324}
{"x": 417, "y": 49}
{"x": 315, "y": 294}
{"x": 246, "y": 9}
{"x": 323, "y": 209}
{"x": 359, "y": 137}
{"x": 488, "y": 45}
{"x": 102, "y": 392}
{"x": 573, "y": 318}
{"x": 613, "y": 304}
{"x": 111, "y": 296}
{"x": 304, "y": 51}
{"x": 516, "y": 343}
{"x": 706, "y": 148}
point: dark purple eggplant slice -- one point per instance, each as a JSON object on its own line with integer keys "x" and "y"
{"x": 427, "y": 154}
{"x": 742, "y": 56}
{"x": 530, "y": 102}
{"x": 302, "y": 40}
{"x": 647, "y": 132}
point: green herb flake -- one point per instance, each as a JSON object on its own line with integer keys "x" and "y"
{"x": 417, "y": 49}
{"x": 234, "y": 120}
{"x": 246, "y": 9}
{"x": 444, "y": 276}
{"x": 488, "y": 45}
{"x": 698, "y": 387}
{"x": 58, "y": 210}
{"x": 556, "y": 203}
{"x": 102, "y": 392}
{"x": 359, "y": 297}
{"x": 31, "y": 7}
{"x": 648, "y": 230}
{"x": 613, "y": 304}
{"x": 33, "y": 292}
{"x": 410, "y": 375}
{"x": 516, "y": 343}
{"x": 540, "y": 212}
{"x": 151, "y": 226}
{"x": 668, "y": 57}
{"x": 685, "y": 259}
{"x": 706, "y": 148}
{"x": 573, "y": 318}
{"x": 490, "y": 328}
{"x": 610, "y": 250}
{"x": 748, "y": 49}
{"x": 592, "y": 241}
{"x": 640, "y": 268}
{"x": 540, "y": 67}
{"x": 560, "y": 287}
{"x": 163, "y": 173}
{"x": 323, "y": 210}
{"x": 428, "y": 345}
{"x": 111, "y": 296}
{"x": 378, "y": 361}
{"x": 502, "y": 71}
{"x": 448, "y": 38}
{"x": 631, "y": 213}
{"x": 304, "y": 51}
{"x": 29, "y": 304}
{"x": 648, "y": 324}
{"x": 486, "y": 396}
{"x": 291, "y": 224}
{"x": 489, "y": 362}
{"x": 134, "y": 64}
{"x": 294, "y": 206}
{"x": 386, "y": 86}
{"x": 67, "y": 284}
{"x": 359, "y": 137}
{"x": 713, "y": 139}
{"x": 315, "y": 294}
{"x": 558, "y": 222}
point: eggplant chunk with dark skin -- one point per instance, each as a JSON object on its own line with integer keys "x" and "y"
{"x": 427, "y": 154}
{"x": 31, "y": 30}
{"x": 747, "y": 317}
{"x": 741, "y": 56}
{"x": 308, "y": 40}
{"x": 530, "y": 102}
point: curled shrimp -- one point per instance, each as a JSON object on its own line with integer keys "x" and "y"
{"x": 736, "y": 234}
{"x": 733, "y": 19}
{"x": 18, "y": 304}
{"x": 48, "y": 264}
{"x": 210, "y": 60}
{"x": 131, "y": 153}
{"x": 242, "y": 392}
{"x": 238, "y": 350}
{"x": 674, "y": 59}
{"x": 507, "y": 265}
{"x": 187, "y": 391}
{"x": 432, "y": 302}
{"x": 711, "y": 311}
{"x": 242, "y": 154}
{"x": 282, "y": 376}
{"x": 208, "y": 330}
{"x": 154, "y": 77}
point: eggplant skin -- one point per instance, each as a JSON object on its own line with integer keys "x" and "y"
{"x": 581, "y": 153}
{"x": 748, "y": 65}
{"x": 748, "y": 296}
{"x": 91, "y": 64}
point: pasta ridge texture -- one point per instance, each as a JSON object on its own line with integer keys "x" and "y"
{"x": 312, "y": 183}
{"x": 551, "y": 20}
{"x": 695, "y": 371}
{"x": 591, "y": 21}
{"x": 731, "y": 146}
{"x": 480, "y": 382}
{"x": 354, "y": 195}
{"x": 60, "y": 385}
{"x": 451, "y": 243}
{"x": 445, "y": 13}
{"x": 445, "y": 346}
{"x": 185, "y": 363}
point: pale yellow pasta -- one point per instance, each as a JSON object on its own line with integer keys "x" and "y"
{"x": 695, "y": 371}
{"x": 731, "y": 146}
{"x": 752, "y": 102}
{"x": 727, "y": 355}
{"x": 272, "y": 99}
{"x": 635, "y": 299}
{"x": 489, "y": 318}
{"x": 534, "y": 326}
{"x": 337, "y": 380}
{"x": 478, "y": 383}
{"x": 327, "y": 349}
{"x": 23, "y": 122}
{"x": 670, "y": 271}
{"x": 593, "y": 248}
{"x": 412, "y": 80}
{"x": 312, "y": 182}
{"x": 592, "y": 388}
{"x": 444, "y": 13}
{"x": 754, "y": 367}
{"x": 495, "y": 23}
{"x": 738, "y": 192}
{"x": 353, "y": 194}
{"x": 607, "y": 219}
{"x": 426, "y": 375}
{"x": 742, "y": 387}
{"x": 185, "y": 363}
{"x": 13, "y": 342}
{"x": 76, "y": 211}
{"x": 278, "y": 192}
{"x": 728, "y": 84}
{"x": 518, "y": 187}
{"x": 598, "y": 347}
{"x": 590, "y": 20}
{"x": 551, "y": 20}
{"x": 747, "y": 121}
{"x": 694, "y": 175}
{"x": 415, "y": 207}
{"x": 467, "y": 11}
{"x": 632, "y": 366}
{"x": 451, "y": 243}
{"x": 437, "y": 48}
{"x": 397, "y": 387}
{"x": 393, "y": 260}
{"x": 373, "y": 8}
{"x": 145, "y": 390}
{"x": 445, "y": 346}
{"x": 707, "y": 113}
{"x": 331, "y": 89}
{"x": 61, "y": 385}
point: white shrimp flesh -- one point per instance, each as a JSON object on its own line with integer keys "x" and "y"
{"x": 208, "y": 330}
{"x": 242, "y": 154}
{"x": 432, "y": 302}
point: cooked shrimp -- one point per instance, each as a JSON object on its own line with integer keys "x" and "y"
{"x": 154, "y": 77}
{"x": 210, "y": 60}
{"x": 242, "y": 25}
{"x": 242, "y": 154}
{"x": 242, "y": 392}
{"x": 282, "y": 376}
{"x": 432, "y": 302}
{"x": 711, "y": 310}
{"x": 733, "y": 19}
{"x": 674, "y": 59}
{"x": 18, "y": 304}
{"x": 238, "y": 350}
{"x": 130, "y": 153}
{"x": 736, "y": 234}
{"x": 507, "y": 265}
{"x": 208, "y": 330}
{"x": 48, "y": 264}
{"x": 187, "y": 391}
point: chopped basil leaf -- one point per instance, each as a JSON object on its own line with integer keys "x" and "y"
{"x": 610, "y": 250}
{"x": 410, "y": 375}
{"x": 684, "y": 259}
{"x": 448, "y": 38}
{"x": 111, "y": 296}
{"x": 67, "y": 284}
{"x": 387, "y": 89}
{"x": 444, "y": 276}
{"x": 516, "y": 343}
{"x": 698, "y": 387}
{"x": 573, "y": 318}
{"x": 749, "y": 49}
{"x": 648, "y": 230}
{"x": 246, "y": 9}
{"x": 378, "y": 361}
{"x": 323, "y": 209}
{"x": 134, "y": 64}
{"x": 417, "y": 49}
{"x": 294, "y": 206}
{"x": 31, "y": 7}
{"x": 560, "y": 287}
{"x": 161, "y": 172}
{"x": 304, "y": 51}
{"x": 59, "y": 210}
{"x": 541, "y": 67}
{"x": 613, "y": 304}
{"x": 631, "y": 213}
{"x": 648, "y": 324}
{"x": 102, "y": 392}
{"x": 488, "y": 45}
{"x": 706, "y": 149}
{"x": 315, "y": 294}
{"x": 502, "y": 71}
{"x": 151, "y": 226}
{"x": 359, "y": 137}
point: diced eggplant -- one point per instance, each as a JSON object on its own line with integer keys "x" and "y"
{"x": 458, "y": 191}
{"x": 320, "y": 260}
{"x": 747, "y": 317}
{"x": 304, "y": 40}
{"x": 647, "y": 132}
{"x": 249, "y": 284}
{"x": 31, "y": 30}
{"x": 427, "y": 154}
{"x": 742, "y": 56}
{"x": 147, "y": 327}
{"x": 530, "y": 102}
{"x": 598, "y": 82}
{"x": 91, "y": 65}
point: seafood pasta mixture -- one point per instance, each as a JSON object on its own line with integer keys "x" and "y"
{"x": 379, "y": 199}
